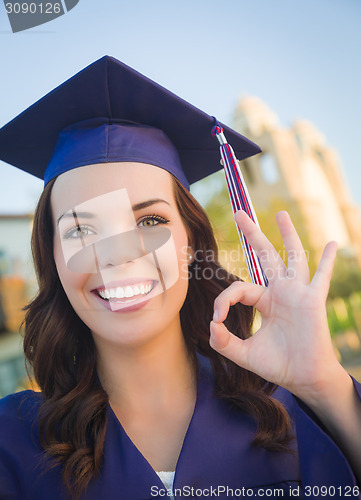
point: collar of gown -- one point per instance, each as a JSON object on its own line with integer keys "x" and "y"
{"x": 217, "y": 450}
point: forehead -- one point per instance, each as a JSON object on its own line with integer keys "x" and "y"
{"x": 141, "y": 181}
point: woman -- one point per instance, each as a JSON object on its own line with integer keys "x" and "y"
{"x": 140, "y": 375}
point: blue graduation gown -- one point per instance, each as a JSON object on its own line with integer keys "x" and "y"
{"x": 217, "y": 458}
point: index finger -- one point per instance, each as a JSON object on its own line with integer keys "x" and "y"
{"x": 239, "y": 291}
{"x": 271, "y": 262}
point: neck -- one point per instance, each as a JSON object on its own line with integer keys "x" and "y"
{"x": 148, "y": 375}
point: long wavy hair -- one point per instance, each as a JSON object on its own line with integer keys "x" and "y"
{"x": 61, "y": 352}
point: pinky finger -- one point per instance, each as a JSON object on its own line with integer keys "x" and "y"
{"x": 322, "y": 277}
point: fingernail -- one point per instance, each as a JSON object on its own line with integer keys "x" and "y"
{"x": 216, "y": 315}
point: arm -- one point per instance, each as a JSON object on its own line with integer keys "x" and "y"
{"x": 338, "y": 406}
{"x": 293, "y": 347}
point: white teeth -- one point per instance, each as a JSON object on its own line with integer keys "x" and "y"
{"x": 128, "y": 291}
{"x": 104, "y": 294}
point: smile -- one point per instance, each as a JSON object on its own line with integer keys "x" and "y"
{"x": 126, "y": 292}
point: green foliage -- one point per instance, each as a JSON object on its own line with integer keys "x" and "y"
{"x": 344, "y": 313}
{"x": 346, "y": 277}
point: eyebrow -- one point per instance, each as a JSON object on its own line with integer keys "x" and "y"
{"x": 148, "y": 203}
{"x": 88, "y": 215}
{"x": 71, "y": 213}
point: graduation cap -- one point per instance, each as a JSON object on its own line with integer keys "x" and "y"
{"x": 109, "y": 112}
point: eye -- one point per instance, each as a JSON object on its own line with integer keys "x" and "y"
{"x": 78, "y": 232}
{"x": 152, "y": 220}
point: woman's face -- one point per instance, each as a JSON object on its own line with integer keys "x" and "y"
{"x": 120, "y": 249}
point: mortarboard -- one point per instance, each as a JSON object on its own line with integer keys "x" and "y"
{"x": 109, "y": 112}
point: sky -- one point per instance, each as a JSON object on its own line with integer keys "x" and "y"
{"x": 302, "y": 58}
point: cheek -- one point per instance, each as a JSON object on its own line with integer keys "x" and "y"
{"x": 182, "y": 252}
{"x": 72, "y": 282}
{"x": 182, "y": 248}
{"x": 173, "y": 258}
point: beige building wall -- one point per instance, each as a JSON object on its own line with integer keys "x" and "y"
{"x": 297, "y": 166}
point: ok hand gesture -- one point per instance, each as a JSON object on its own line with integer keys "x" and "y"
{"x": 293, "y": 347}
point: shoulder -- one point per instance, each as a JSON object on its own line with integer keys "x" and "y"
{"x": 20, "y": 448}
{"x": 18, "y": 412}
{"x": 20, "y": 403}
{"x": 18, "y": 424}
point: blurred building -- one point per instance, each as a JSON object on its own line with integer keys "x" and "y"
{"x": 17, "y": 281}
{"x": 17, "y": 285}
{"x": 298, "y": 167}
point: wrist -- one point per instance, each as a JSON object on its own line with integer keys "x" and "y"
{"x": 330, "y": 394}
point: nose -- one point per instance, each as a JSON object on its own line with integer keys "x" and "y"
{"x": 119, "y": 249}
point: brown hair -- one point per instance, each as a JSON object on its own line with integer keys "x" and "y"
{"x": 60, "y": 349}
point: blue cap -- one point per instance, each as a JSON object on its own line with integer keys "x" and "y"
{"x": 109, "y": 112}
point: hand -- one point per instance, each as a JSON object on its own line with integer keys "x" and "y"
{"x": 293, "y": 347}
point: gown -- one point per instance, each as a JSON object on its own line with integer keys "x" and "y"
{"x": 217, "y": 459}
